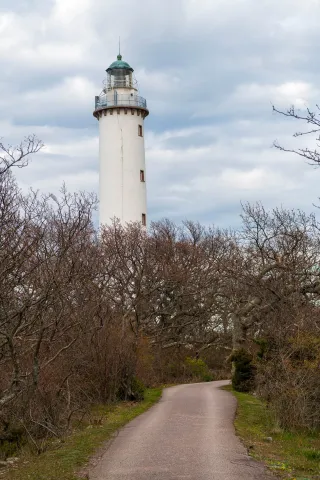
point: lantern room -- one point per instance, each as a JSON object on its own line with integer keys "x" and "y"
{"x": 120, "y": 75}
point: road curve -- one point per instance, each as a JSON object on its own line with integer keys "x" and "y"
{"x": 189, "y": 434}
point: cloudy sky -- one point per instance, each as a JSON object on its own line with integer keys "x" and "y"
{"x": 210, "y": 70}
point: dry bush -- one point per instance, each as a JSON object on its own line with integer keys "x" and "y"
{"x": 288, "y": 378}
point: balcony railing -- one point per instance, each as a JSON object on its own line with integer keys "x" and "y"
{"x": 120, "y": 101}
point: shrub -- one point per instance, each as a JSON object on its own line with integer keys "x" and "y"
{"x": 198, "y": 369}
{"x": 138, "y": 389}
{"x": 132, "y": 390}
{"x": 244, "y": 371}
{"x": 288, "y": 378}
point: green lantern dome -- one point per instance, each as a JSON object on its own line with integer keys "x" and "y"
{"x": 119, "y": 64}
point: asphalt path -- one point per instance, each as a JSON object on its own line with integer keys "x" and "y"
{"x": 189, "y": 434}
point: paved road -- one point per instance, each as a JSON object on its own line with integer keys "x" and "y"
{"x": 189, "y": 434}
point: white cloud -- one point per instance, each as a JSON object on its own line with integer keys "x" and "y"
{"x": 67, "y": 11}
{"x": 73, "y": 92}
{"x": 285, "y": 94}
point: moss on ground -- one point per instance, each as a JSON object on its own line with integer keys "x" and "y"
{"x": 294, "y": 456}
{"x": 62, "y": 460}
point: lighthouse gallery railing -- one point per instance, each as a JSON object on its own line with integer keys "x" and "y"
{"x": 121, "y": 101}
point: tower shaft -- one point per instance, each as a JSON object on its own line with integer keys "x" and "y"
{"x": 122, "y": 185}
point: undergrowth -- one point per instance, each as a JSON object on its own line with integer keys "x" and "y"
{"x": 63, "y": 459}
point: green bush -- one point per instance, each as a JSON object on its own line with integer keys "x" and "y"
{"x": 131, "y": 389}
{"x": 138, "y": 389}
{"x": 198, "y": 369}
{"x": 11, "y": 439}
{"x": 208, "y": 377}
{"x": 244, "y": 371}
{"x": 174, "y": 370}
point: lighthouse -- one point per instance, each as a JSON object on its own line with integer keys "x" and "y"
{"x": 121, "y": 111}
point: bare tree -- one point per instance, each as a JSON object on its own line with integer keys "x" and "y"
{"x": 19, "y": 155}
{"x": 185, "y": 306}
{"x": 278, "y": 265}
{"x": 312, "y": 119}
{"x": 45, "y": 249}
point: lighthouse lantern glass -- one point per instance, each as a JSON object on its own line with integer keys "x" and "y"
{"x": 119, "y": 78}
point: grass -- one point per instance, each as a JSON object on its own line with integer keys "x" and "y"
{"x": 63, "y": 460}
{"x": 294, "y": 456}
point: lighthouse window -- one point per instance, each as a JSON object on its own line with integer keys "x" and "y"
{"x": 140, "y": 130}
{"x": 144, "y": 219}
{"x": 142, "y": 176}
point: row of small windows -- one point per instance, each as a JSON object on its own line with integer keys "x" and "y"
{"x": 142, "y": 179}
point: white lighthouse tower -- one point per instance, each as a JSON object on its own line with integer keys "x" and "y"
{"x": 121, "y": 113}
